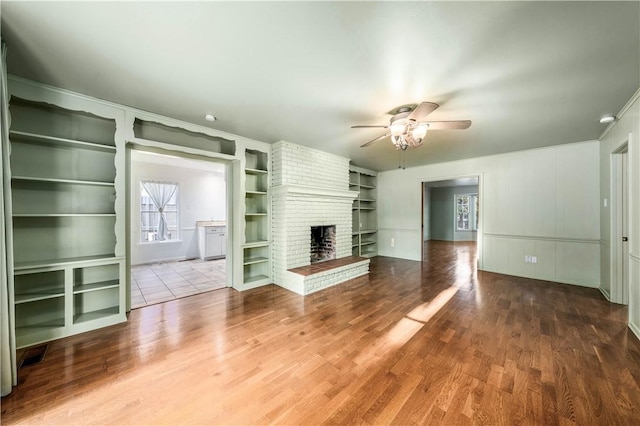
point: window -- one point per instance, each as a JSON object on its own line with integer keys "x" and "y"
{"x": 158, "y": 211}
{"x": 466, "y": 212}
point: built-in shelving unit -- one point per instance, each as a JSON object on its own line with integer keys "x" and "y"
{"x": 256, "y": 262}
{"x": 67, "y": 277}
{"x": 364, "y": 241}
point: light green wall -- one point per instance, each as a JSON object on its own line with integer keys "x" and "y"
{"x": 426, "y": 211}
{"x": 442, "y": 213}
{"x": 541, "y": 202}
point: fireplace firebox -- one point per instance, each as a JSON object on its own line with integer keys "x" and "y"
{"x": 323, "y": 243}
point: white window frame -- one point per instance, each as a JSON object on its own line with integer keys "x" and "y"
{"x": 140, "y": 211}
{"x": 473, "y": 213}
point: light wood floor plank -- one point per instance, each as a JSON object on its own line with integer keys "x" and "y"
{"x": 412, "y": 343}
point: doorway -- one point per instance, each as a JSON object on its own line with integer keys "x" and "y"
{"x": 450, "y": 213}
{"x": 174, "y": 202}
{"x": 619, "y": 292}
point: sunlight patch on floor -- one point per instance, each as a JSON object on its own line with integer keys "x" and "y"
{"x": 424, "y": 312}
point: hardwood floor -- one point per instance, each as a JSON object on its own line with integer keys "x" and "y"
{"x": 412, "y": 343}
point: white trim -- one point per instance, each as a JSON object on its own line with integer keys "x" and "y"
{"x": 620, "y": 113}
{"x": 619, "y": 294}
{"x": 556, "y": 239}
{"x": 605, "y": 293}
{"x": 141, "y": 144}
{"x": 151, "y": 243}
{"x": 311, "y": 191}
{"x": 635, "y": 329}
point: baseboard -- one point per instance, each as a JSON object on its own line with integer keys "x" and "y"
{"x": 170, "y": 259}
{"x": 635, "y": 329}
{"x": 605, "y": 293}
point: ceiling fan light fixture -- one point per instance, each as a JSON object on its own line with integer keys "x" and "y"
{"x": 398, "y": 128}
{"x": 408, "y": 127}
{"x": 419, "y": 131}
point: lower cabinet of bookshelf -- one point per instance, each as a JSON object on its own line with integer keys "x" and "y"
{"x": 40, "y": 320}
{"x": 68, "y": 298}
{"x": 256, "y": 265}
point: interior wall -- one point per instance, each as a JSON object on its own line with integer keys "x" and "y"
{"x": 442, "y": 214}
{"x": 541, "y": 202}
{"x": 201, "y": 196}
{"x": 625, "y": 129}
{"x": 426, "y": 213}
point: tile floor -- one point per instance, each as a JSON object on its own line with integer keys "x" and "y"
{"x": 161, "y": 282}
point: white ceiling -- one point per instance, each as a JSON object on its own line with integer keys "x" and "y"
{"x": 527, "y": 74}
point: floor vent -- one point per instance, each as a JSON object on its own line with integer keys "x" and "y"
{"x": 34, "y": 355}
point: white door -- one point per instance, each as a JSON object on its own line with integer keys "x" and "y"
{"x": 624, "y": 240}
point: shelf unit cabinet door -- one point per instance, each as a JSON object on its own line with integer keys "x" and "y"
{"x": 214, "y": 244}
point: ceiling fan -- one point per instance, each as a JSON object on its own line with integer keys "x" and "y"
{"x": 408, "y": 125}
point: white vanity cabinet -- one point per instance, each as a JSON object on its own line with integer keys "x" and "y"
{"x": 212, "y": 241}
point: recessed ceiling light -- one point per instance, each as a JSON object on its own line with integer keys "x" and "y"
{"x": 209, "y": 117}
{"x": 608, "y": 119}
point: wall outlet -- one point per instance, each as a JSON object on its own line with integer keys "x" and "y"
{"x": 527, "y": 259}
{"x": 393, "y": 242}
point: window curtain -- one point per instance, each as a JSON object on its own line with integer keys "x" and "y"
{"x": 8, "y": 373}
{"x": 160, "y": 194}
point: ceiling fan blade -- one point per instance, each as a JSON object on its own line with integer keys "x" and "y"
{"x": 448, "y": 125}
{"x": 374, "y": 140}
{"x": 422, "y": 111}
{"x": 366, "y": 126}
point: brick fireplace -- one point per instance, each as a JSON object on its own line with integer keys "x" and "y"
{"x": 310, "y": 189}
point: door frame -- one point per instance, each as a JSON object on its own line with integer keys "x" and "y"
{"x": 619, "y": 180}
{"x": 480, "y": 232}
{"x": 176, "y": 151}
